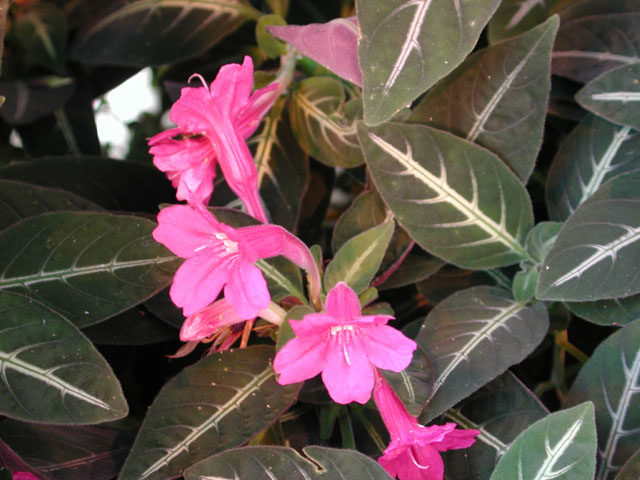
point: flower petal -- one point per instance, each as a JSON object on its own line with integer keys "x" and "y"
{"x": 183, "y": 230}
{"x": 246, "y": 289}
{"x": 342, "y": 303}
{"x": 206, "y": 321}
{"x": 301, "y": 358}
{"x": 456, "y": 439}
{"x": 348, "y": 375}
{"x": 387, "y": 347}
{"x": 232, "y": 87}
{"x": 314, "y": 324}
{"x": 197, "y": 283}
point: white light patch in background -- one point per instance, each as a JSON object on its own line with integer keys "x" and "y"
{"x": 123, "y": 105}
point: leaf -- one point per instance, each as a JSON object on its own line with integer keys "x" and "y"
{"x": 514, "y": 17}
{"x": 472, "y": 337}
{"x": 616, "y": 313}
{"x": 28, "y": 101}
{"x": 596, "y": 253}
{"x": 41, "y": 32}
{"x": 498, "y": 98}
{"x": 589, "y": 46}
{"x": 614, "y": 95}
{"x": 449, "y": 279}
{"x": 456, "y": 200}
{"x": 333, "y": 45}
{"x": 357, "y": 261}
{"x": 574, "y": 9}
{"x": 610, "y": 380}
{"x": 271, "y": 47}
{"x": 541, "y": 238}
{"x": 60, "y": 452}
{"x": 594, "y": 152}
{"x": 155, "y": 32}
{"x": 323, "y": 121}
{"x": 133, "y": 327}
{"x": 50, "y": 372}
{"x": 283, "y": 168}
{"x": 283, "y": 463}
{"x": 220, "y": 402}
{"x": 20, "y": 200}
{"x": 112, "y": 184}
{"x": 85, "y": 266}
{"x": 631, "y": 469}
{"x": 414, "y": 384}
{"x": 561, "y": 445}
{"x": 500, "y": 410}
{"x": 406, "y": 46}
{"x": 415, "y": 268}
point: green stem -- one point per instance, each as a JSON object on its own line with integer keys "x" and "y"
{"x": 346, "y": 431}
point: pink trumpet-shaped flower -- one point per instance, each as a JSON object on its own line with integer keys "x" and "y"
{"x": 213, "y": 124}
{"x": 413, "y": 453}
{"x": 219, "y": 256}
{"x": 23, "y": 476}
{"x": 207, "y": 321}
{"x": 344, "y": 345}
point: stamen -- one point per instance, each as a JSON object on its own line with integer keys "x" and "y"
{"x": 199, "y": 77}
{"x": 345, "y": 352}
{"x": 200, "y": 248}
{"x": 415, "y": 462}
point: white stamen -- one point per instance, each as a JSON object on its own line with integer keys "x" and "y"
{"x": 199, "y": 77}
{"x": 200, "y": 248}
{"x": 415, "y": 462}
{"x": 346, "y": 328}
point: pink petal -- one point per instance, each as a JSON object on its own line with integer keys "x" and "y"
{"x": 388, "y": 348}
{"x": 300, "y": 359}
{"x": 246, "y": 289}
{"x": 205, "y": 322}
{"x": 259, "y": 104}
{"x": 456, "y": 439}
{"x": 348, "y": 375}
{"x": 23, "y": 476}
{"x": 314, "y": 324}
{"x": 197, "y": 283}
{"x": 342, "y": 303}
{"x": 195, "y": 185}
{"x": 194, "y": 110}
{"x": 232, "y": 87}
{"x": 183, "y": 230}
{"x": 421, "y": 463}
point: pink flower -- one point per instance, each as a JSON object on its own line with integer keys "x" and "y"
{"x": 219, "y": 256}
{"x": 214, "y": 124}
{"x": 205, "y": 322}
{"x": 413, "y": 453}
{"x": 344, "y": 345}
{"x": 23, "y": 476}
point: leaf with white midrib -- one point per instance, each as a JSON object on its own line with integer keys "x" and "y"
{"x": 611, "y": 380}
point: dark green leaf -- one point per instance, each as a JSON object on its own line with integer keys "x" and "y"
{"x": 514, "y": 17}
{"x": 358, "y": 259}
{"x": 112, "y": 184}
{"x": 155, "y": 32}
{"x": 417, "y": 266}
{"x": 595, "y": 256}
{"x": 271, "y": 46}
{"x": 574, "y": 9}
{"x": 406, "y": 46}
{"x": 449, "y": 279}
{"x": 631, "y": 469}
{"x": 323, "y": 120}
{"x": 472, "y": 337}
{"x": 562, "y": 446}
{"x": 524, "y": 285}
{"x": 500, "y": 410}
{"x": 50, "y": 372}
{"x": 63, "y": 453}
{"x": 163, "y": 308}
{"x": 617, "y": 312}
{"x": 133, "y": 327}
{"x": 589, "y": 46}
{"x": 610, "y": 380}
{"x": 220, "y": 402}
{"x": 28, "y": 101}
{"x": 594, "y": 152}
{"x": 85, "y": 266}
{"x": 498, "y": 98}
{"x": 414, "y": 384}
{"x": 20, "y": 200}
{"x": 614, "y": 95}
{"x": 456, "y": 200}
{"x": 280, "y": 463}
{"x": 541, "y": 238}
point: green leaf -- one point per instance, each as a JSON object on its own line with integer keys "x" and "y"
{"x": 524, "y": 285}
{"x": 472, "y": 337}
{"x": 449, "y": 279}
{"x": 28, "y": 101}
{"x": 323, "y": 120}
{"x": 20, "y": 200}
{"x": 283, "y": 169}
{"x": 41, "y": 32}
{"x": 616, "y": 313}
{"x": 417, "y": 266}
{"x": 574, "y": 9}
{"x": 414, "y": 384}
{"x": 358, "y": 259}
{"x": 406, "y": 46}
{"x": 65, "y": 452}
{"x": 541, "y": 238}
{"x": 271, "y": 46}
{"x": 596, "y": 253}
{"x": 220, "y": 402}
{"x": 631, "y": 469}
{"x": 280, "y": 463}
{"x": 560, "y": 446}
{"x": 589, "y": 46}
{"x": 50, "y": 372}
{"x": 595, "y": 151}
{"x": 498, "y": 98}
{"x": 614, "y": 95}
{"x": 112, "y": 184}
{"x": 155, "y": 32}
{"x": 133, "y": 327}
{"x": 456, "y": 200}
{"x": 610, "y": 380}
{"x": 85, "y": 266}
{"x": 514, "y": 17}
{"x": 500, "y": 410}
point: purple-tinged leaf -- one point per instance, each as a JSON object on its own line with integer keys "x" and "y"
{"x": 333, "y": 44}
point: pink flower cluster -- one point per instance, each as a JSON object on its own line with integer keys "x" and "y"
{"x": 340, "y": 343}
